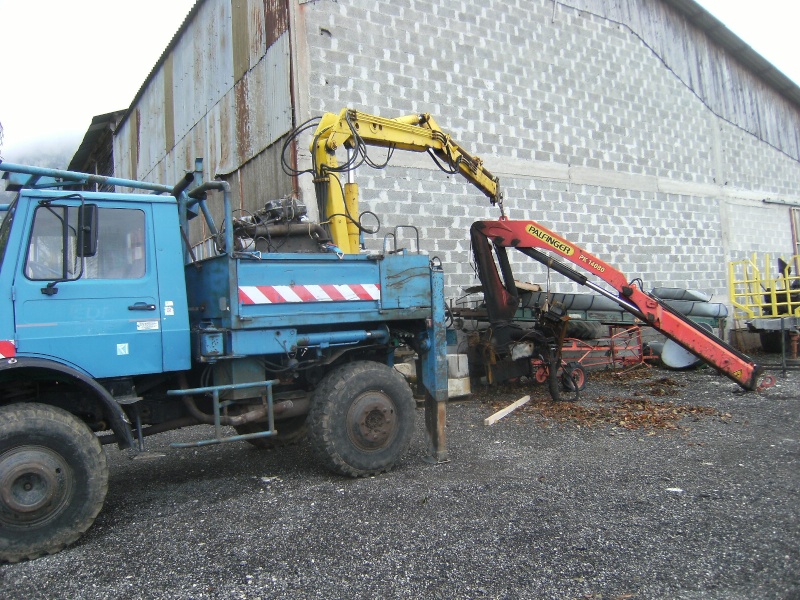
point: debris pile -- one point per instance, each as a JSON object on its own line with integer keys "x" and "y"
{"x": 630, "y": 410}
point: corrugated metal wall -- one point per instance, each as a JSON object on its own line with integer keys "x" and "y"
{"x": 221, "y": 93}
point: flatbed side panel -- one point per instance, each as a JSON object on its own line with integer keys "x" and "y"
{"x": 406, "y": 282}
{"x": 302, "y": 290}
{"x": 295, "y": 289}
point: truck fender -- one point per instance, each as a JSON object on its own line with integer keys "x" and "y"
{"x": 113, "y": 411}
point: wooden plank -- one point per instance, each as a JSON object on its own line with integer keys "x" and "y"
{"x": 507, "y": 410}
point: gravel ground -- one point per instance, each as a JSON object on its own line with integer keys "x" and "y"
{"x": 607, "y": 498}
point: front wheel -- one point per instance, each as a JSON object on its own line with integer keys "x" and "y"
{"x": 361, "y": 419}
{"x": 53, "y": 480}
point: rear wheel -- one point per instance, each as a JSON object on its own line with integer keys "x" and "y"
{"x": 361, "y": 419}
{"x": 53, "y": 480}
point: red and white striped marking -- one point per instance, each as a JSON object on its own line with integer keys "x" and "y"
{"x": 7, "y": 349}
{"x": 277, "y": 294}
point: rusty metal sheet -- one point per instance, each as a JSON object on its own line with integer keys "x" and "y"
{"x": 276, "y": 21}
{"x": 263, "y": 102}
{"x": 194, "y": 106}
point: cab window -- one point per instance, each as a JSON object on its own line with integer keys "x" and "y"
{"x": 53, "y": 249}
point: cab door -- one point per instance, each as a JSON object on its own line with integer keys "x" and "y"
{"x": 90, "y": 301}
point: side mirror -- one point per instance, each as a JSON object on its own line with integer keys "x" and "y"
{"x": 87, "y": 230}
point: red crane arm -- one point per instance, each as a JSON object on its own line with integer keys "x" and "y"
{"x": 531, "y": 238}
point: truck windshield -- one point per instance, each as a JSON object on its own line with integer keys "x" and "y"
{"x": 7, "y": 217}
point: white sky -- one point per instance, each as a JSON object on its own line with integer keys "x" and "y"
{"x": 65, "y": 61}
{"x": 768, "y": 26}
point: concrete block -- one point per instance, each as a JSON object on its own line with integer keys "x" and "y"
{"x": 457, "y": 365}
{"x": 458, "y": 387}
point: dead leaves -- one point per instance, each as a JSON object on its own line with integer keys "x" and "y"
{"x": 664, "y": 386}
{"x": 642, "y": 413}
{"x": 623, "y": 412}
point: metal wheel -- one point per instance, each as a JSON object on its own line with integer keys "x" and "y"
{"x": 53, "y": 480}
{"x": 541, "y": 373}
{"x": 361, "y": 419}
{"x": 573, "y": 377}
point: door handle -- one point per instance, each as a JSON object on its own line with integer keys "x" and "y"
{"x": 142, "y": 306}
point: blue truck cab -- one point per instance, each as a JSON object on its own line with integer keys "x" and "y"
{"x": 103, "y": 314}
{"x": 115, "y": 326}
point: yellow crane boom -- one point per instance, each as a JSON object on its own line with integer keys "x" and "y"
{"x": 354, "y": 130}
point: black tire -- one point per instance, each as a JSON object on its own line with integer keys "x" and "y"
{"x": 289, "y": 431}
{"x": 573, "y": 377}
{"x": 361, "y": 419}
{"x": 585, "y": 330}
{"x": 53, "y": 480}
{"x": 553, "y": 383}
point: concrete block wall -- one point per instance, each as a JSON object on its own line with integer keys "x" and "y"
{"x": 590, "y": 132}
{"x": 748, "y": 164}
